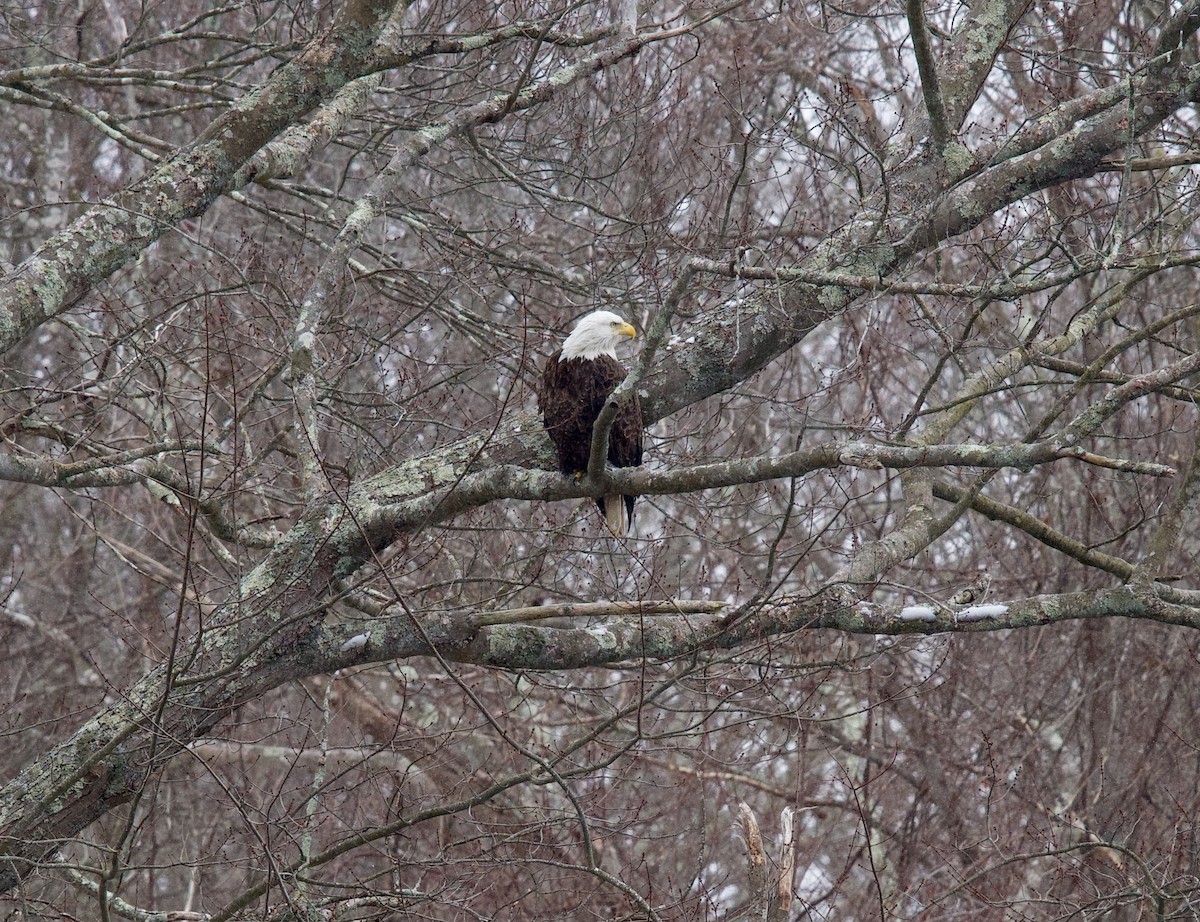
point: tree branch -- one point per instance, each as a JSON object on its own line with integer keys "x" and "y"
{"x": 927, "y": 68}
{"x": 1184, "y": 504}
{"x": 657, "y": 331}
{"x": 1036, "y": 529}
{"x": 971, "y": 53}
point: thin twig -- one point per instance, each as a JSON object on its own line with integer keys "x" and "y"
{"x": 597, "y": 609}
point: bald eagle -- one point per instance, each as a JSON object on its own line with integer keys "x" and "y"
{"x": 575, "y": 384}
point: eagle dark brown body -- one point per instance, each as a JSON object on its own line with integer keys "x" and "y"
{"x": 572, "y": 396}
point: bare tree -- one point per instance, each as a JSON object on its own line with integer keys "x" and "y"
{"x": 300, "y": 618}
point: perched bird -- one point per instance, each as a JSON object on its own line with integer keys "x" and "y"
{"x": 575, "y": 384}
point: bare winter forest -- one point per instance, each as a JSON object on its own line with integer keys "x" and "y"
{"x": 298, "y": 618}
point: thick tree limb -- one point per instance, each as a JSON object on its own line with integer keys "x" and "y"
{"x": 971, "y": 54}
{"x": 666, "y": 638}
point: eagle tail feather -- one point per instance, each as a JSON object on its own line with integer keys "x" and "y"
{"x": 615, "y": 515}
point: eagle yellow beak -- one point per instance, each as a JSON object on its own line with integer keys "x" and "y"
{"x": 626, "y": 329}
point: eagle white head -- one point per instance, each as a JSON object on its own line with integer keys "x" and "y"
{"x": 597, "y": 334}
